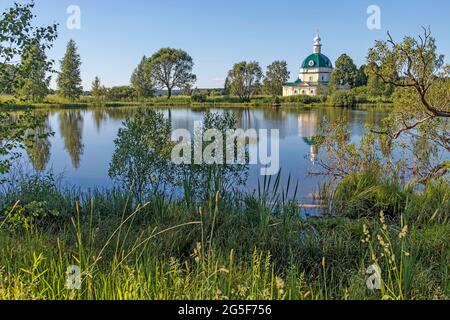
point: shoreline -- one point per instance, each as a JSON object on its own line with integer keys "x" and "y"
{"x": 4, "y": 107}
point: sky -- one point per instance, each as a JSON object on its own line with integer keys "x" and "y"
{"x": 115, "y": 34}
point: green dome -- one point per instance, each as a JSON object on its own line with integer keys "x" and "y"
{"x": 317, "y": 60}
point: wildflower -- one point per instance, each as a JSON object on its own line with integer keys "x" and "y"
{"x": 382, "y": 217}
{"x": 365, "y": 230}
{"x": 403, "y": 233}
{"x": 381, "y": 240}
{"x": 383, "y": 221}
{"x": 374, "y": 258}
{"x": 366, "y": 234}
{"x": 279, "y": 284}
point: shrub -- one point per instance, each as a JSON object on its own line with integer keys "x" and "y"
{"x": 360, "y": 94}
{"x": 199, "y": 97}
{"x": 343, "y": 99}
{"x": 363, "y": 194}
{"x": 431, "y": 205}
{"x": 302, "y": 99}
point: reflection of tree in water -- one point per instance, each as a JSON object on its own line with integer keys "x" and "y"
{"x": 219, "y": 175}
{"x": 142, "y": 159}
{"x": 120, "y": 113}
{"x": 99, "y": 117}
{"x": 39, "y": 149}
{"x": 71, "y": 129}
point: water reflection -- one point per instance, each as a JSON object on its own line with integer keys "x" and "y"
{"x": 39, "y": 149}
{"x": 83, "y": 145}
{"x": 308, "y": 129}
{"x": 71, "y": 129}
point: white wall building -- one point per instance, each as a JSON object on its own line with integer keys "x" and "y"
{"x": 314, "y": 73}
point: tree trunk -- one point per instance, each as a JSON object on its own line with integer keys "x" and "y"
{"x": 169, "y": 93}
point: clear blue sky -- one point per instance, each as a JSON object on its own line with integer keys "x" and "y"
{"x": 115, "y": 34}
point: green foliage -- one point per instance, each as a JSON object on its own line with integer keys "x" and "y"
{"x": 430, "y": 206}
{"x": 141, "y": 80}
{"x": 121, "y": 93}
{"x": 344, "y": 73}
{"x": 376, "y": 87}
{"x": 17, "y": 36}
{"x": 276, "y": 76}
{"x": 342, "y": 99}
{"x": 69, "y": 78}
{"x": 360, "y": 94}
{"x": 364, "y": 194}
{"x": 16, "y": 133}
{"x": 200, "y": 181}
{"x": 170, "y": 69}
{"x": 141, "y": 162}
{"x": 302, "y": 99}
{"x": 98, "y": 91}
{"x": 244, "y": 80}
{"x": 231, "y": 248}
{"x": 33, "y": 68}
{"x": 199, "y": 97}
{"x": 361, "y": 77}
{"x": 421, "y": 109}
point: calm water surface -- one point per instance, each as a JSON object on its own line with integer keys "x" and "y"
{"x": 83, "y": 144}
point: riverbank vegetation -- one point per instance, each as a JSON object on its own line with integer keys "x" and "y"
{"x": 199, "y": 99}
{"x": 171, "y": 232}
{"x": 189, "y": 232}
{"x": 225, "y": 247}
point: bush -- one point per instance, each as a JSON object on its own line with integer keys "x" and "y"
{"x": 35, "y": 201}
{"x": 302, "y": 99}
{"x": 199, "y": 97}
{"x": 343, "y": 99}
{"x": 431, "y": 205}
{"x": 364, "y": 194}
{"x": 361, "y": 95}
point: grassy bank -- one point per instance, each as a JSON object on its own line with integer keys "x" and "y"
{"x": 52, "y": 101}
{"x": 225, "y": 247}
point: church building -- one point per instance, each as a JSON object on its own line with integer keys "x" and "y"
{"x": 314, "y": 73}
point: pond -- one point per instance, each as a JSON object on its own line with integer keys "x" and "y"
{"x": 82, "y": 146}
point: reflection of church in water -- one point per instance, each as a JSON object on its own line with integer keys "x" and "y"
{"x": 308, "y": 130}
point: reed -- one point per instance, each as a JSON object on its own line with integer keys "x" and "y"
{"x": 231, "y": 246}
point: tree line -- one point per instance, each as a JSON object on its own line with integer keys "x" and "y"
{"x": 26, "y": 71}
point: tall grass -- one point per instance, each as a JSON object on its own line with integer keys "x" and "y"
{"x": 229, "y": 247}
